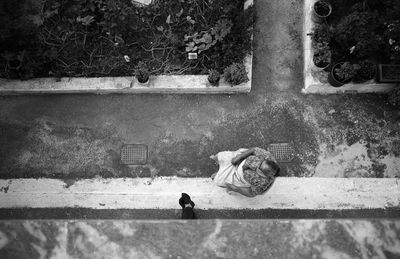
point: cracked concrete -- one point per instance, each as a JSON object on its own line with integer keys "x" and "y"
{"x": 80, "y": 136}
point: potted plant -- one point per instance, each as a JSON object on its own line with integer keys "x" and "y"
{"x": 142, "y": 73}
{"x": 322, "y": 9}
{"x": 321, "y": 33}
{"x": 213, "y": 77}
{"x": 322, "y": 55}
{"x": 394, "y": 97}
{"x": 235, "y": 74}
{"x": 366, "y": 72}
{"x": 342, "y": 73}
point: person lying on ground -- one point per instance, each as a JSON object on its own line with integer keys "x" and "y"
{"x": 249, "y": 172}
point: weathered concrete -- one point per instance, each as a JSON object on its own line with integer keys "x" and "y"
{"x": 80, "y": 136}
{"x": 164, "y": 84}
{"x": 162, "y": 193}
{"x": 201, "y": 239}
{"x": 316, "y": 80}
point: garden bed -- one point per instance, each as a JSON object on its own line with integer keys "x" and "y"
{"x": 316, "y": 79}
{"x": 178, "y": 75}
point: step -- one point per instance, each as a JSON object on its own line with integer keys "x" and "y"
{"x": 292, "y": 193}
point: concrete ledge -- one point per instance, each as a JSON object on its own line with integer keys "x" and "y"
{"x": 316, "y": 80}
{"x": 164, "y": 84}
{"x": 174, "y": 84}
{"x": 163, "y": 193}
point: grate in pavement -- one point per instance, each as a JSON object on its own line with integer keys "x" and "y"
{"x": 134, "y": 154}
{"x": 283, "y": 152}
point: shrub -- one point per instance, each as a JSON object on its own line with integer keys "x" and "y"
{"x": 346, "y": 71}
{"x": 213, "y": 77}
{"x": 394, "y": 97}
{"x": 322, "y": 54}
{"x": 359, "y": 33}
{"x": 367, "y": 70}
{"x": 142, "y": 72}
{"x": 322, "y": 33}
{"x": 236, "y": 74}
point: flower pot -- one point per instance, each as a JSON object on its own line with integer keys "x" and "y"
{"x": 321, "y": 65}
{"x": 333, "y": 80}
{"x": 321, "y": 10}
{"x": 362, "y": 78}
{"x": 142, "y": 82}
{"x": 213, "y": 83}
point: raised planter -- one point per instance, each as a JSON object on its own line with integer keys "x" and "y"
{"x": 170, "y": 84}
{"x": 315, "y": 80}
{"x": 389, "y": 73}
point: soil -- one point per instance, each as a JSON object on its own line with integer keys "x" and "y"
{"x": 108, "y": 38}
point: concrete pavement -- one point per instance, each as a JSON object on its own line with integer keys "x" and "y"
{"x": 73, "y": 136}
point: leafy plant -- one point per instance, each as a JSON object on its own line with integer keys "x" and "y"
{"x": 322, "y": 33}
{"x": 204, "y": 40}
{"x": 322, "y": 54}
{"x": 394, "y": 97}
{"x": 359, "y": 33}
{"x": 236, "y": 74}
{"x": 367, "y": 70}
{"x": 213, "y": 77}
{"x": 392, "y": 34}
{"x": 142, "y": 72}
{"x": 346, "y": 71}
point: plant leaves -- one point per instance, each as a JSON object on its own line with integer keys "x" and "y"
{"x": 179, "y": 13}
{"x": 87, "y": 20}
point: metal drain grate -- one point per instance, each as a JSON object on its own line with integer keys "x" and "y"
{"x": 283, "y": 152}
{"x": 134, "y": 154}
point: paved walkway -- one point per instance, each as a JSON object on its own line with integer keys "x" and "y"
{"x": 201, "y": 239}
{"x": 69, "y": 136}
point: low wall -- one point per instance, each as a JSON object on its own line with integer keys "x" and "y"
{"x": 163, "y": 192}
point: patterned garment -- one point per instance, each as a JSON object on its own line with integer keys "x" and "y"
{"x": 259, "y": 184}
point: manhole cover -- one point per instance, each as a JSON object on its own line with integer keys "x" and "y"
{"x": 134, "y": 154}
{"x": 283, "y": 152}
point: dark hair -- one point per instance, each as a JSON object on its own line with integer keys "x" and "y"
{"x": 273, "y": 165}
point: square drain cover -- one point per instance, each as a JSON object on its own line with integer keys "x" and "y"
{"x": 134, "y": 154}
{"x": 283, "y": 152}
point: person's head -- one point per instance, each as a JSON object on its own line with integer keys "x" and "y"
{"x": 269, "y": 168}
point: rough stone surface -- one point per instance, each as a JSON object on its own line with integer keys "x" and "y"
{"x": 74, "y": 136}
{"x": 201, "y": 239}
